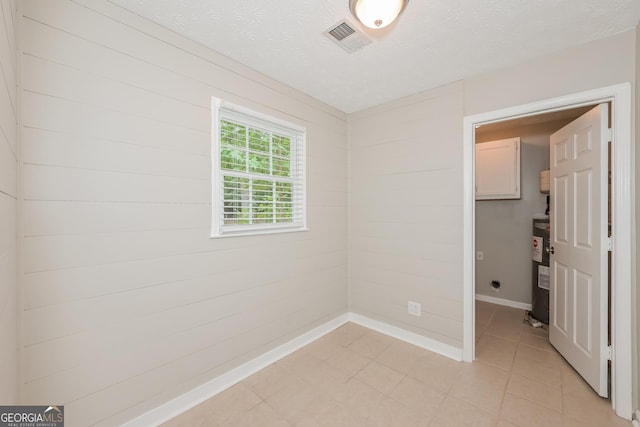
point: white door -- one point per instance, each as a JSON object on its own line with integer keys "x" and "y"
{"x": 579, "y": 244}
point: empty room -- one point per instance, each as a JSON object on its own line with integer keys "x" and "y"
{"x": 319, "y": 213}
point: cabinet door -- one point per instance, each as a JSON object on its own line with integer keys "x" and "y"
{"x": 498, "y": 169}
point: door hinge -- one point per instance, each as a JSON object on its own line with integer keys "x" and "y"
{"x": 609, "y": 135}
{"x": 610, "y": 243}
{"x": 609, "y": 352}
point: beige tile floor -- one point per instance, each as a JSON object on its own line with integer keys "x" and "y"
{"x": 358, "y": 377}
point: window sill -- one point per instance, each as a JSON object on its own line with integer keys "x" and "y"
{"x": 247, "y": 233}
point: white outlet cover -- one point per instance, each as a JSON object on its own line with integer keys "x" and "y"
{"x": 415, "y": 308}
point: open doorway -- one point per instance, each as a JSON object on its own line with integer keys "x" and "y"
{"x": 622, "y": 212}
{"x": 513, "y": 233}
{"x": 503, "y": 226}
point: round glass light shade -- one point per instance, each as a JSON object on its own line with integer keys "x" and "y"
{"x": 377, "y": 13}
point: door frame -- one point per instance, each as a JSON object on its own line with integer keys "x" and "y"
{"x": 623, "y": 230}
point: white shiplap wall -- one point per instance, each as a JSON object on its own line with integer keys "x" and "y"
{"x": 405, "y": 237}
{"x": 636, "y": 356}
{"x": 127, "y": 302}
{"x": 9, "y": 364}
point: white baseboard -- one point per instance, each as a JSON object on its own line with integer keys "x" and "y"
{"x": 409, "y": 337}
{"x": 505, "y": 302}
{"x": 192, "y": 398}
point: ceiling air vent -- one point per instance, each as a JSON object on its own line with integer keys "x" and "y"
{"x": 347, "y": 36}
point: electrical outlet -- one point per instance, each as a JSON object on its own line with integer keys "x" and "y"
{"x": 415, "y": 308}
{"x": 479, "y": 256}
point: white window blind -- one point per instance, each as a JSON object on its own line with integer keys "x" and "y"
{"x": 259, "y": 177}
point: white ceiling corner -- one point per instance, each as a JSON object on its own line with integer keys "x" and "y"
{"x": 434, "y": 41}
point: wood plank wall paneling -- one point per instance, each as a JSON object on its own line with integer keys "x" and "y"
{"x": 10, "y": 365}
{"x": 636, "y": 362}
{"x": 408, "y": 152}
{"x": 127, "y": 302}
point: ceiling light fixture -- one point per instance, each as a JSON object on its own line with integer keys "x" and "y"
{"x": 377, "y": 13}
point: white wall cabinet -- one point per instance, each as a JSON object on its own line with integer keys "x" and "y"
{"x": 498, "y": 169}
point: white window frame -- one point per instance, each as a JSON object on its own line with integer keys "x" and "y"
{"x": 221, "y": 109}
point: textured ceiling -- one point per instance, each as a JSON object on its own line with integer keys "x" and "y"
{"x": 433, "y": 42}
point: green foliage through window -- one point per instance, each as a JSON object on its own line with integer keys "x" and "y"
{"x": 258, "y": 187}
